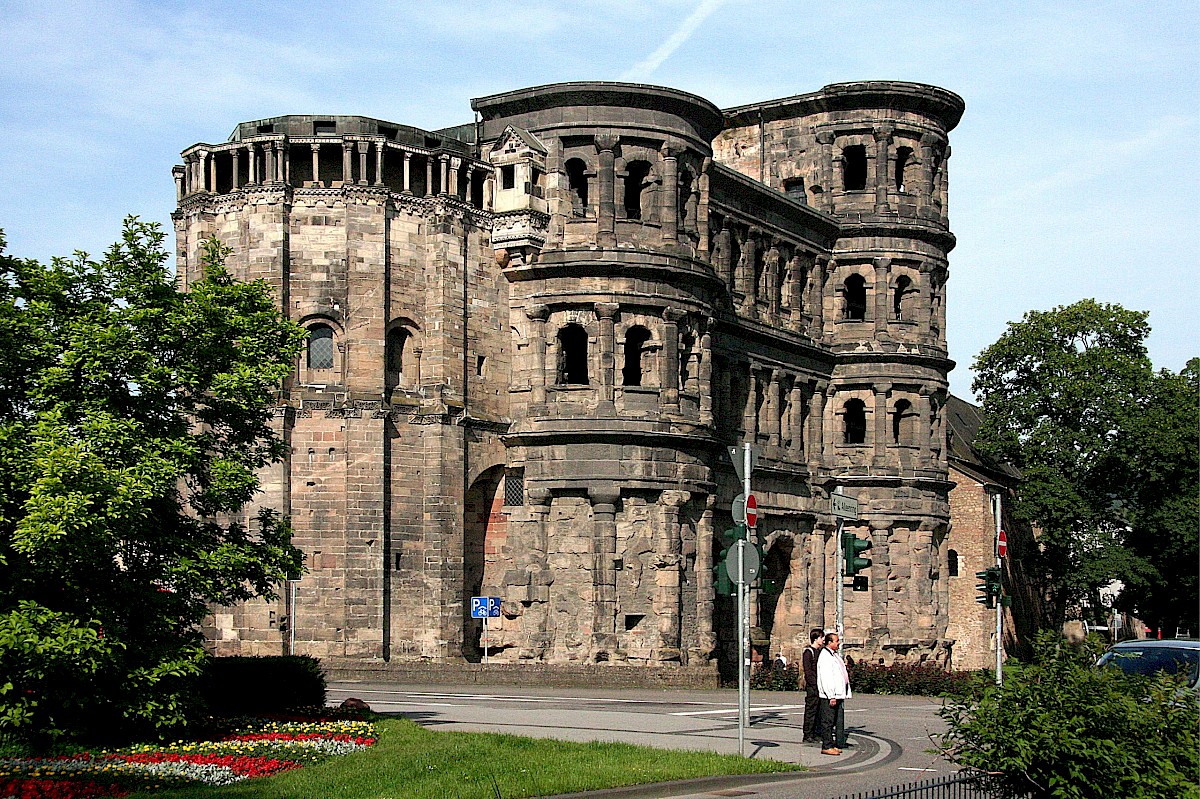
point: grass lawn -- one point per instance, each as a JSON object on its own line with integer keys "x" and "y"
{"x": 410, "y": 762}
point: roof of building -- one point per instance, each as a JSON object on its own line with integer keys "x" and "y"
{"x": 964, "y": 420}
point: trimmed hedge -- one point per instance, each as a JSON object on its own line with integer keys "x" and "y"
{"x": 910, "y": 679}
{"x": 269, "y": 684}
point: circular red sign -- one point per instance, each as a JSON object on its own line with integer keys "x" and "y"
{"x": 751, "y": 511}
{"x": 1002, "y": 544}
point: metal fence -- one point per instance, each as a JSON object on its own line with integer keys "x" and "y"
{"x": 964, "y": 785}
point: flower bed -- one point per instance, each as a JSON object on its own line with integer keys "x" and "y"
{"x": 252, "y": 748}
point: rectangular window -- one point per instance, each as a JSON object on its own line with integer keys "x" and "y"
{"x": 508, "y": 176}
{"x": 514, "y": 487}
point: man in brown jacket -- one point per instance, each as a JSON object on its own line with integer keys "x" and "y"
{"x": 812, "y": 702}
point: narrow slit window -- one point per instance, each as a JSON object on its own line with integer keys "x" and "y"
{"x": 854, "y": 295}
{"x": 572, "y": 356}
{"x": 901, "y": 419}
{"x": 898, "y": 300}
{"x": 903, "y": 159}
{"x": 577, "y": 184}
{"x": 854, "y": 418}
{"x": 854, "y": 167}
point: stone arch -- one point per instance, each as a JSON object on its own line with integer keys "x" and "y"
{"x": 321, "y": 362}
{"x": 485, "y": 533}
{"x": 401, "y": 358}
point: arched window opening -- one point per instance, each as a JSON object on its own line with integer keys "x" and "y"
{"x": 902, "y": 288}
{"x": 854, "y": 167}
{"x": 637, "y": 181}
{"x": 854, "y": 420}
{"x": 635, "y": 348}
{"x": 577, "y": 183}
{"x": 854, "y": 296}
{"x": 394, "y": 352}
{"x": 903, "y": 157}
{"x": 901, "y": 419}
{"x": 572, "y": 356}
{"x": 320, "y": 347}
{"x": 952, "y": 562}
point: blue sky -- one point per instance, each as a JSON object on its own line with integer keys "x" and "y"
{"x": 1075, "y": 170}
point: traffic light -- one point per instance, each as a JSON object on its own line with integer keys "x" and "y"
{"x": 851, "y": 546}
{"x": 988, "y": 587}
{"x": 862, "y": 582}
{"x": 722, "y": 583}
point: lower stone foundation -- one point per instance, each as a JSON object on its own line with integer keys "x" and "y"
{"x": 530, "y": 674}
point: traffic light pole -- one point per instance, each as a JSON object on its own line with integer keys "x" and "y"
{"x": 839, "y": 624}
{"x": 996, "y": 512}
{"x": 743, "y": 611}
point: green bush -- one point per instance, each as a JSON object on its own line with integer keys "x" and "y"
{"x": 909, "y": 679}
{"x": 1061, "y": 728}
{"x": 277, "y": 684}
{"x": 765, "y": 677}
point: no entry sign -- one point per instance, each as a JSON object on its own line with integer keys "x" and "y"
{"x": 751, "y": 511}
{"x": 1002, "y": 544}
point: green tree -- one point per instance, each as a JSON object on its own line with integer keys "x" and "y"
{"x": 1161, "y": 444}
{"x": 133, "y": 420}
{"x": 1057, "y": 390}
{"x": 1060, "y": 727}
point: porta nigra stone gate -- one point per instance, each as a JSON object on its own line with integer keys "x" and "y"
{"x": 533, "y": 338}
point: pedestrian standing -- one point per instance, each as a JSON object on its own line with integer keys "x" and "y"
{"x": 833, "y": 686}
{"x": 812, "y": 702}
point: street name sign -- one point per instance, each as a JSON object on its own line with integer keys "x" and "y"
{"x": 843, "y": 507}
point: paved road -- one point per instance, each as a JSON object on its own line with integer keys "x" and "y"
{"x": 890, "y": 734}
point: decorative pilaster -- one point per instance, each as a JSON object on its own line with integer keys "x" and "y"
{"x": 316, "y": 164}
{"x": 443, "y": 174}
{"x": 816, "y": 428}
{"x": 825, "y": 142}
{"x": 881, "y": 423}
{"x": 363, "y": 148}
{"x": 880, "y": 292}
{"x": 454, "y": 164}
{"x": 880, "y": 565}
{"x": 430, "y": 188}
{"x": 604, "y": 551}
{"x": 669, "y": 210}
{"x": 606, "y": 211}
{"x": 347, "y": 163}
{"x": 407, "y": 173}
{"x": 605, "y": 313}
{"x": 268, "y": 174}
{"x": 668, "y": 568}
{"x": 379, "y": 148}
{"x": 706, "y": 377}
{"x": 883, "y": 141}
{"x": 669, "y": 375}
{"x": 750, "y": 411}
{"x": 774, "y": 407}
{"x": 538, "y": 314}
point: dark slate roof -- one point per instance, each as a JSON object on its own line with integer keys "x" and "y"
{"x": 964, "y": 420}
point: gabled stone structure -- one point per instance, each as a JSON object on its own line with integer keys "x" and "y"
{"x": 534, "y": 337}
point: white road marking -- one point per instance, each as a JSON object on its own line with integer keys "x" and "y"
{"x": 909, "y": 768}
{"x": 734, "y": 710}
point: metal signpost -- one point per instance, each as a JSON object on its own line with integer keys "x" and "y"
{"x": 743, "y": 573}
{"x": 485, "y": 607}
{"x": 1001, "y": 551}
{"x": 843, "y": 507}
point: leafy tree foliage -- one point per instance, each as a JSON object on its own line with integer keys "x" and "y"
{"x": 1061, "y": 391}
{"x": 133, "y": 419}
{"x": 1162, "y": 447}
{"x": 1060, "y": 727}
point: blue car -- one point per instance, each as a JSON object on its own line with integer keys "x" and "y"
{"x": 1176, "y": 656}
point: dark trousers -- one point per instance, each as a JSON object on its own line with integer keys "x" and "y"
{"x": 812, "y": 714}
{"x": 832, "y": 723}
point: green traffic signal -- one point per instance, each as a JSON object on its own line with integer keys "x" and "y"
{"x": 851, "y": 546}
{"x": 989, "y": 586}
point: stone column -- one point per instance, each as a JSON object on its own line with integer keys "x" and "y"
{"x": 750, "y": 412}
{"x": 212, "y": 172}
{"x": 604, "y": 551}
{"x": 829, "y": 426}
{"x": 924, "y": 564}
{"x": 534, "y": 637}
{"x": 771, "y": 266}
{"x": 454, "y": 165}
{"x": 924, "y": 432}
{"x": 443, "y": 174}
{"x": 816, "y": 579}
{"x": 702, "y": 210}
{"x": 407, "y": 172}
{"x": 725, "y": 263}
{"x": 538, "y": 314}
{"x": 925, "y": 192}
{"x": 379, "y": 148}
{"x": 252, "y": 163}
{"x": 774, "y": 408}
{"x": 746, "y": 271}
{"x": 798, "y": 277}
{"x": 883, "y": 141}
{"x": 823, "y": 269}
{"x": 281, "y": 162}
{"x": 606, "y": 209}
{"x": 825, "y": 142}
{"x": 316, "y": 164}
{"x": 669, "y": 367}
{"x": 179, "y": 174}
{"x": 880, "y": 291}
{"x": 669, "y": 210}
{"x": 880, "y": 566}
{"x": 363, "y": 149}
{"x": 268, "y": 173}
{"x": 429, "y": 192}
{"x": 668, "y": 568}
{"x": 489, "y": 192}
{"x": 706, "y": 378}
{"x": 605, "y": 312}
{"x": 706, "y": 640}
{"x": 797, "y": 423}
{"x": 943, "y": 188}
{"x": 881, "y": 423}
{"x": 816, "y": 428}
{"x": 236, "y": 159}
{"x": 347, "y": 163}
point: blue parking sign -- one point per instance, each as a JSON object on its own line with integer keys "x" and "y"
{"x": 480, "y": 605}
{"x": 493, "y": 610}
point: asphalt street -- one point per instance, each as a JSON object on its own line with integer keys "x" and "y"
{"x": 890, "y": 735}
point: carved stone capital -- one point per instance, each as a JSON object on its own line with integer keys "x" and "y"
{"x": 671, "y": 314}
{"x": 607, "y": 310}
{"x": 607, "y": 141}
{"x": 883, "y": 132}
{"x": 824, "y": 137}
{"x": 537, "y": 313}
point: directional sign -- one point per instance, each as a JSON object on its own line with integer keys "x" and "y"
{"x": 1002, "y": 544}
{"x": 843, "y": 506}
{"x": 751, "y": 563}
{"x": 751, "y": 511}
{"x": 483, "y": 607}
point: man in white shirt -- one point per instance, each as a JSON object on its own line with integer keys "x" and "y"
{"x": 833, "y": 686}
